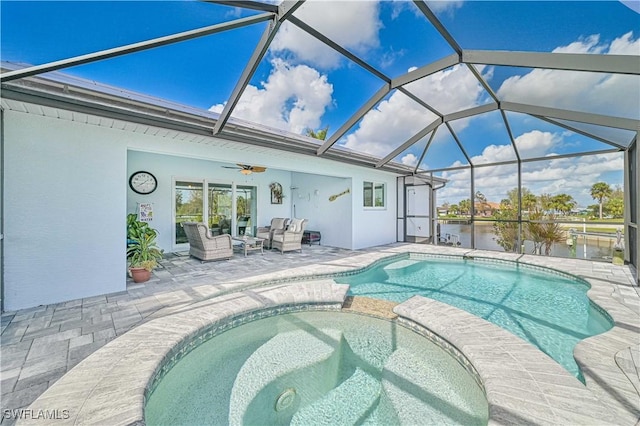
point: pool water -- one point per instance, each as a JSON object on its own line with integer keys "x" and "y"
{"x": 314, "y": 368}
{"x": 549, "y": 310}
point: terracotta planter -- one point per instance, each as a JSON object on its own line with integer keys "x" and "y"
{"x": 140, "y": 275}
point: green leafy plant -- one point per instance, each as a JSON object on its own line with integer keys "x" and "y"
{"x": 544, "y": 232}
{"x": 136, "y": 229}
{"x": 142, "y": 250}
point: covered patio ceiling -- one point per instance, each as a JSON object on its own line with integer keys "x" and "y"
{"x": 385, "y": 101}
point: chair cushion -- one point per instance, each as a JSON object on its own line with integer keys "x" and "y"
{"x": 295, "y": 225}
{"x": 278, "y": 223}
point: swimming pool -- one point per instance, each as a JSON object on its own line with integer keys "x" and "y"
{"x": 551, "y": 310}
{"x": 318, "y": 368}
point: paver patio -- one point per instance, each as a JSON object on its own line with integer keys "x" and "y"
{"x": 39, "y": 345}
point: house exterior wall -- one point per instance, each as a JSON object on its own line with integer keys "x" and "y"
{"x": 66, "y": 197}
{"x": 331, "y": 218}
{"x": 373, "y": 227}
{"x": 64, "y": 209}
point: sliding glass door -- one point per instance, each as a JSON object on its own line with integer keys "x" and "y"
{"x": 220, "y": 208}
{"x": 226, "y": 209}
{"x": 246, "y": 210}
{"x": 189, "y": 206}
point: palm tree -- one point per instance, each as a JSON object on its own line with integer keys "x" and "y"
{"x": 545, "y": 202}
{"x": 529, "y": 201}
{"x": 563, "y": 203}
{"x": 317, "y": 134}
{"x": 600, "y": 191}
{"x": 465, "y": 206}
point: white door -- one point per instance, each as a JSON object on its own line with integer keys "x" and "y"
{"x": 417, "y": 213}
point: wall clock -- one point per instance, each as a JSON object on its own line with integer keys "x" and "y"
{"x": 143, "y": 182}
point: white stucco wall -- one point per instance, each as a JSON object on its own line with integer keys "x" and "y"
{"x": 64, "y": 210}
{"x": 66, "y": 198}
{"x": 332, "y": 219}
{"x": 374, "y": 227}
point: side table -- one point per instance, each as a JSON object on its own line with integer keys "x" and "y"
{"x": 310, "y": 237}
{"x": 248, "y": 244}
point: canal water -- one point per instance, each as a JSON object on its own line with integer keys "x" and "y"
{"x": 594, "y": 248}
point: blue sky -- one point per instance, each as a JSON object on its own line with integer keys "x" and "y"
{"x": 303, "y": 84}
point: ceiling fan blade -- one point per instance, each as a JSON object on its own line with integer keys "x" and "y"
{"x": 258, "y": 169}
{"x": 230, "y": 167}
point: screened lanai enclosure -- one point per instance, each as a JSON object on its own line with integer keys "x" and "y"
{"x": 510, "y": 125}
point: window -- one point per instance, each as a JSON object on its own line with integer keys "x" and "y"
{"x": 374, "y": 194}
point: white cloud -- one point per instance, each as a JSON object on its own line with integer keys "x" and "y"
{"x": 335, "y": 20}
{"x": 574, "y": 176}
{"x": 388, "y": 125}
{"x": 616, "y": 95}
{"x": 587, "y": 45}
{"x": 398, "y": 118}
{"x": 453, "y": 89}
{"x": 494, "y": 154}
{"x": 410, "y": 160}
{"x": 444, "y": 5}
{"x": 536, "y": 143}
{"x": 293, "y": 98}
{"x": 625, "y": 45}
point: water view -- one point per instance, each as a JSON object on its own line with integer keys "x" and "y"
{"x": 594, "y": 248}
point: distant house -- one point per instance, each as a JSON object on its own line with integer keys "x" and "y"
{"x": 443, "y": 210}
{"x": 486, "y": 208}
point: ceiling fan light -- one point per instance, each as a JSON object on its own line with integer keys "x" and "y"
{"x": 245, "y": 171}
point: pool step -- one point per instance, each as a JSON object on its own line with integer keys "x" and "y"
{"x": 290, "y": 370}
{"x": 357, "y": 396}
{"x": 419, "y": 391}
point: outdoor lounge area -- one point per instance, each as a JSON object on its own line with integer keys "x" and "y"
{"x": 41, "y": 345}
{"x": 471, "y": 187}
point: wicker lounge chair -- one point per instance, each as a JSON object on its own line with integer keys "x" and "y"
{"x": 291, "y": 239}
{"x": 204, "y": 246}
{"x": 266, "y": 232}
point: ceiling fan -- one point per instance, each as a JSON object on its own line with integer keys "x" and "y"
{"x": 247, "y": 169}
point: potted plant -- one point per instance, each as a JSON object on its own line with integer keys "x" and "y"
{"x": 142, "y": 252}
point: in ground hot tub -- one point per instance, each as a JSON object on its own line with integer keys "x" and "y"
{"x": 318, "y": 368}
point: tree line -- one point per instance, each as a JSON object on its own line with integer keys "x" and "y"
{"x": 610, "y": 202}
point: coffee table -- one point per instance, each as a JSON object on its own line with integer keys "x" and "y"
{"x": 250, "y": 244}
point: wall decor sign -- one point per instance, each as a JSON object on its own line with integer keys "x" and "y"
{"x": 145, "y": 212}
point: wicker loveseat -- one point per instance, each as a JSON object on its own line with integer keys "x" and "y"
{"x": 291, "y": 239}
{"x": 204, "y": 246}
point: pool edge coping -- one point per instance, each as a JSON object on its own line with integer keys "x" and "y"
{"x": 600, "y": 293}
